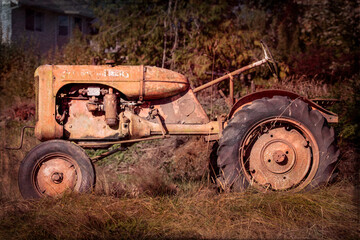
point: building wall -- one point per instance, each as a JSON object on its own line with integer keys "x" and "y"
{"x": 49, "y": 37}
{"x": 5, "y": 21}
{"x": 41, "y": 40}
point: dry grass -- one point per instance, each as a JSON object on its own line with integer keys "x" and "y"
{"x": 148, "y": 194}
{"x": 329, "y": 213}
{"x": 154, "y": 168}
{"x": 305, "y": 86}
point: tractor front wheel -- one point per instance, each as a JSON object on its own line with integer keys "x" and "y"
{"x": 54, "y": 167}
{"x": 276, "y": 144}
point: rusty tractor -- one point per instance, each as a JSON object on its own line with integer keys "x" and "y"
{"x": 273, "y": 140}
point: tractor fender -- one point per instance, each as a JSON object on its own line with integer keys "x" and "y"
{"x": 247, "y": 99}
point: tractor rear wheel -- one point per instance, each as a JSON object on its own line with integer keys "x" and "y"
{"x": 53, "y": 168}
{"x": 276, "y": 144}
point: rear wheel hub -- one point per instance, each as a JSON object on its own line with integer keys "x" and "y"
{"x": 279, "y": 158}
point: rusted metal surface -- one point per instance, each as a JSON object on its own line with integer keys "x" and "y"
{"x": 140, "y": 127}
{"x": 104, "y": 155}
{"x": 202, "y": 129}
{"x": 151, "y": 129}
{"x": 183, "y": 108}
{"x": 270, "y": 60}
{"x": 136, "y": 121}
{"x": 280, "y": 158}
{"x": 98, "y": 106}
{"x": 110, "y": 108}
{"x": 231, "y": 89}
{"x": 220, "y": 79}
{"x": 162, "y": 127}
{"x": 85, "y": 144}
{"x": 46, "y": 127}
{"x": 92, "y": 111}
{"x": 325, "y": 102}
{"x": 56, "y": 173}
{"x": 82, "y": 123}
{"x": 132, "y": 81}
{"x": 105, "y": 103}
{"x": 21, "y": 139}
{"x": 330, "y": 116}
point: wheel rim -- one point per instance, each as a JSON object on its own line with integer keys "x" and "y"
{"x": 279, "y": 154}
{"x": 55, "y": 174}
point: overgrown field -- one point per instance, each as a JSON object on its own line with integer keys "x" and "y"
{"x": 164, "y": 189}
{"x": 199, "y": 213}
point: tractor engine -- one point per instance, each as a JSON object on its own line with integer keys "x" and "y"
{"x": 91, "y": 112}
{"x": 105, "y": 103}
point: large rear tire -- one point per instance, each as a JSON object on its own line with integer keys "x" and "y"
{"x": 276, "y": 144}
{"x": 53, "y": 168}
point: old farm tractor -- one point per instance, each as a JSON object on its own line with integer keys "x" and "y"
{"x": 274, "y": 140}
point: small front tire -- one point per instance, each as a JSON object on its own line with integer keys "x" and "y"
{"x": 53, "y": 168}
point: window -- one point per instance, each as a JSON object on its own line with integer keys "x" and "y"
{"x": 78, "y": 23}
{"x": 63, "y": 25}
{"x": 34, "y": 21}
{"x": 92, "y": 29}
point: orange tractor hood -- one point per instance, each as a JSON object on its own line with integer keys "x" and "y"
{"x": 135, "y": 82}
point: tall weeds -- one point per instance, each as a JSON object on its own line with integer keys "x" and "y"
{"x": 17, "y": 67}
{"x": 328, "y": 213}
